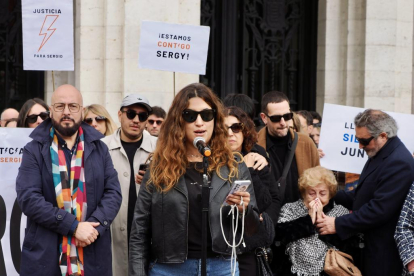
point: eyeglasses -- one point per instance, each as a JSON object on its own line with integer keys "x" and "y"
{"x": 236, "y": 127}
{"x": 191, "y": 115}
{"x": 277, "y": 118}
{"x": 365, "y": 141}
{"x": 131, "y": 114}
{"x": 98, "y": 119}
{"x": 73, "y": 107}
{"x": 151, "y": 122}
{"x": 31, "y": 119}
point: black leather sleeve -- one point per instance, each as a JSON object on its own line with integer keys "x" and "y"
{"x": 140, "y": 239}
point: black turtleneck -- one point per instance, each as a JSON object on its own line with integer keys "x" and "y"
{"x": 278, "y": 149}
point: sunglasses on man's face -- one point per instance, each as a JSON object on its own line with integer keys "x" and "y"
{"x": 277, "y": 118}
{"x": 191, "y": 115}
{"x": 365, "y": 141}
{"x": 151, "y": 122}
{"x": 98, "y": 119}
{"x": 31, "y": 119}
{"x": 131, "y": 114}
{"x": 236, "y": 127}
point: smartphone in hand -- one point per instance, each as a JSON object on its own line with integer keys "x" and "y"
{"x": 143, "y": 167}
{"x": 238, "y": 186}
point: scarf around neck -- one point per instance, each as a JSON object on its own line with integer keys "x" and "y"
{"x": 71, "y": 197}
{"x": 307, "y": 255}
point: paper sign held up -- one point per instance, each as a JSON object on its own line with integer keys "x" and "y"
{"x": 173, "y": 47}
{"x": 48, "y": 35}
{"x": 338, "y": 141}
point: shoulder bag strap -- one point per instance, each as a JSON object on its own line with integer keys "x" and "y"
{"x": 288, "y": 161}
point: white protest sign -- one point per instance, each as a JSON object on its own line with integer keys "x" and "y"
{"x": 337, "y": 140}
{"x": 173, "y": 47}
{"x": 48, "y": 35}
{"x": 12, "y": 221}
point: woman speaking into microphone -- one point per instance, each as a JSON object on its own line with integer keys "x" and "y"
{"x": 167, "y": 228}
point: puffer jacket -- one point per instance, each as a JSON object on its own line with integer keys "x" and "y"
{"x": 160, "y": 227}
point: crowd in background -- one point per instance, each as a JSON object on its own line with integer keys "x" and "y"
{"x": 293, "y": 207}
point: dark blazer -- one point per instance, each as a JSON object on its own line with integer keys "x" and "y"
{"x": 376, "y": 204}
{"x": 46, "y": 223}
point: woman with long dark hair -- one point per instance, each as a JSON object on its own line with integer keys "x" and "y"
{"x": 33, "y": 113}
{"x": 243, "y": 138}
{"x": 166, "y": 230}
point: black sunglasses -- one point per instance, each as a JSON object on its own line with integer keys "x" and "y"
{"x": 191, "y": 115}
{"x": 364, "y": 141}
{"x": 236, "y": 127}
{"x": 31, "y": 119}
{"x": 97, "y": 119}
{"x": 151, "y": 122}
{"x": 131, "y": 114}
{"x": 277, "y": 118}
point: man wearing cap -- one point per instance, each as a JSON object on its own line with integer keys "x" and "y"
{"x": 129, "y": 147}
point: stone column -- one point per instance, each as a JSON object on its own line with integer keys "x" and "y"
{"x": 365, "y": 54}
{"x": 332, "y": 52}
{"x": 355, "y": 69}
{"x": 388, "y": 62}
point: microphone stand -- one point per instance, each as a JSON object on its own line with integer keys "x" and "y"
{"x": 205, "y": 198}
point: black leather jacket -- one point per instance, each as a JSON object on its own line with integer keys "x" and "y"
{"x": 160, "y": 224}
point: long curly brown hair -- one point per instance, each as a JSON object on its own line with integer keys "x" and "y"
{"x": 169, "y": 161}
{"x": 249, "y": 131}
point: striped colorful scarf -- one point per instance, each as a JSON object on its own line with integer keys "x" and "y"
{"x": 71, "y": 197}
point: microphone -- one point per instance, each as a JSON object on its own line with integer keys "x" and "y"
{"x": 200, "y": 144}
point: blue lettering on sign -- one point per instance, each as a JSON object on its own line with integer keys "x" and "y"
{"x": 350, "y": 138}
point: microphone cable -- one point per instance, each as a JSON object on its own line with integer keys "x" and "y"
{"x": 234, "y": 224}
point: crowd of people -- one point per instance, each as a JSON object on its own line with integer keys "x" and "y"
{"x": 130, "y": 200}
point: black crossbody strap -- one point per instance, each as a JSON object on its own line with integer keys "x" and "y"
{"x": 288, "y": 161}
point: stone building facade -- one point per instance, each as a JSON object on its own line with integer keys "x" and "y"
{"x": 365, "y": 53}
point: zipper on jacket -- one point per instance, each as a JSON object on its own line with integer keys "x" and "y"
{"x": 188, "y": 215}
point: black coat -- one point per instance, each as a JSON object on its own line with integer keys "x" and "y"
{"x": 268, "y": 201}
{"x": 265, "y": 187}
{"x": 376, "y": 204}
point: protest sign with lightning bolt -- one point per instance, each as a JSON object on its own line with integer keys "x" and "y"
{"x": 49, "y": 21}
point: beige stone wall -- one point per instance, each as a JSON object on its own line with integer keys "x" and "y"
{"x": 107, "y": 36}
{"x": 365, "y": 54}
